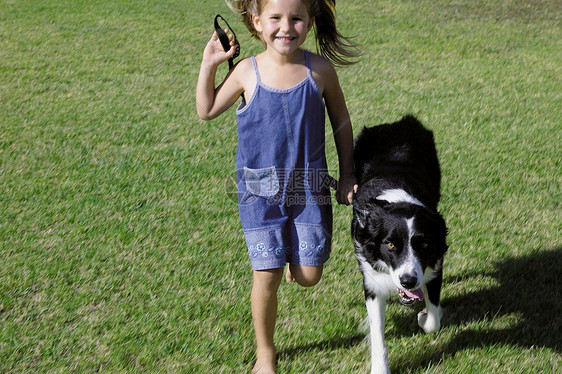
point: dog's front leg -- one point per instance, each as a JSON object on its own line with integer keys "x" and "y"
{"x": 379, "y": 355}
{"x": 429, "y": 319}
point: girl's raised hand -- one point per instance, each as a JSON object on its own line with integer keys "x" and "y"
{"x": 214, "y": 54}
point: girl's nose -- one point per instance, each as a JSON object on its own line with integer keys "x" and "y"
{"x": 285, "y": 25}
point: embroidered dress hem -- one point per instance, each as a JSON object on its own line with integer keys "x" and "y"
{"x": 298, "y": 244}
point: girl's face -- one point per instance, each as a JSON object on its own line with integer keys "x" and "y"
{"x": 283, "y": 25}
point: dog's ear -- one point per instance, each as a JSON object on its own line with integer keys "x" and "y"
{"x": 365, "y": 213}
{"x": 440, "y": 229}
{"x": 361, "y": 216}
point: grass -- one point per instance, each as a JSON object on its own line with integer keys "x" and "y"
{"x": 120, "y": 250}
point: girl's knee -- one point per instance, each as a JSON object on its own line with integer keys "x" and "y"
{"x": 306, "y": 276}
{"x": 268, "y": 279}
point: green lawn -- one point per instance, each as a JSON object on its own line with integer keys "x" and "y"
{"x": 121, "y": 250}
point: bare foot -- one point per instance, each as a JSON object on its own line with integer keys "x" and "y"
{"x": 265, "y": 364}
{"x": 288, "y": 275}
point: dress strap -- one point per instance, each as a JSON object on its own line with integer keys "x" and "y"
{"x": 308, "y": 72}
{"x": 256, "y": 68}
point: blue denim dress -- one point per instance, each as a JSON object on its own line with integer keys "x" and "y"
{"x": 283, "y": 192}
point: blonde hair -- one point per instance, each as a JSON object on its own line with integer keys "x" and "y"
{"x": 338, "y": 49}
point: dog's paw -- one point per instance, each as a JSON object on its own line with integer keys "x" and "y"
{"x": 430, "y": 321}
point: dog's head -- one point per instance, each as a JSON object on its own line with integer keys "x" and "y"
{"x": 403, "y": 239}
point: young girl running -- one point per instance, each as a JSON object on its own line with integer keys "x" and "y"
{"x": 283, "y": 194}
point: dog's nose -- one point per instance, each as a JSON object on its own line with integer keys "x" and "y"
{"x": 408, "y": 281}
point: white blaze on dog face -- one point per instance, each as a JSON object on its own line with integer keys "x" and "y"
{"x": 409, "y": 265}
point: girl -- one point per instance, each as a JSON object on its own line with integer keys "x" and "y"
{"x": 283, "y": 197}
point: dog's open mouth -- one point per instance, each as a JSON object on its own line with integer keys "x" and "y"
{"x": 410, "y": 297}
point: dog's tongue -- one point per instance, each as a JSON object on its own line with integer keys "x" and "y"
{"x": 415, "y": 294}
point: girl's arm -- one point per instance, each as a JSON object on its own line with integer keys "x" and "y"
{"x": 211, "y": 101}
{"x": 343, "y": 133}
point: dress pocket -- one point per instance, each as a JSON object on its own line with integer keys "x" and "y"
{"x": 262, "y": 182}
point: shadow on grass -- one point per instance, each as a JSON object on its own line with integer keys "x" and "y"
{"x": 528, "y": 288}
{"x": 330, "y": 344}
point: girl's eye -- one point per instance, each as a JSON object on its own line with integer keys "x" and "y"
{"x": 390, "y": 245}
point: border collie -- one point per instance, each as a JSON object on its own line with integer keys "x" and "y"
{"x": 399, "y": 236}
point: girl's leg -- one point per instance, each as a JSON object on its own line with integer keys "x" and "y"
{"x": 264, "y": 308}
{"x": 306, "y": 276}
{"x": 264, "y": 311}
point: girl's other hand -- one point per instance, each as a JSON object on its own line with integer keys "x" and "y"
{"x": 214, "y": 54}
{"x": 347, "y": 185}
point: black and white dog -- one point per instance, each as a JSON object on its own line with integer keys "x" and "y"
{"x": 398, "y": 233}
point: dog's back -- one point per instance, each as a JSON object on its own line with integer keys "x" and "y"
{"x": 405, "y": 150}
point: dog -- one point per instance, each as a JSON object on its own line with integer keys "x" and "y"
{"x": 399, "y": 236}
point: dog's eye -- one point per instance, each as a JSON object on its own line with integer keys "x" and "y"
{"x": 424, "y": 245}
{"x": 390, "y": 245}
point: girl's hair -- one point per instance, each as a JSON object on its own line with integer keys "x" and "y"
{"x": 329, "y": 42}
